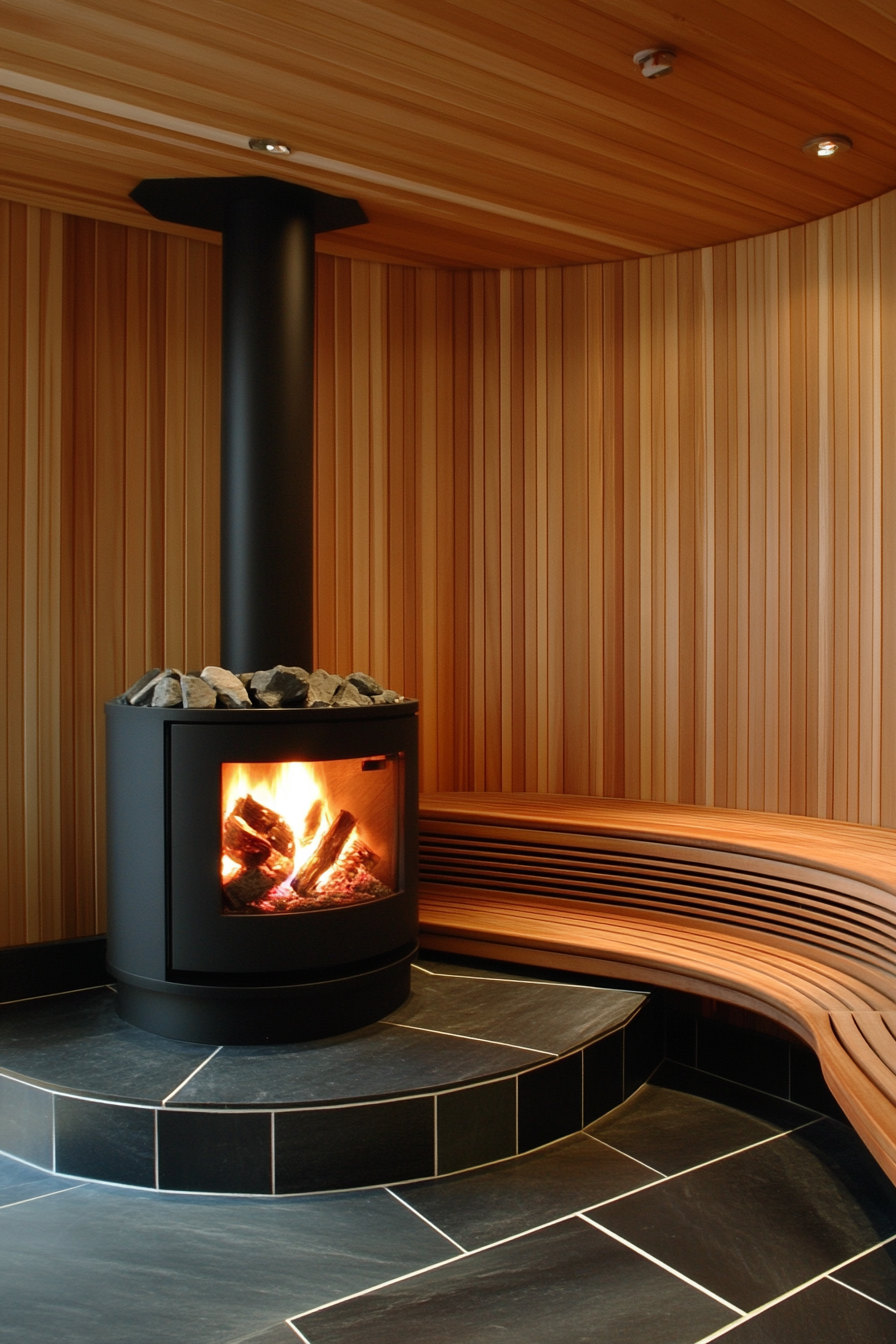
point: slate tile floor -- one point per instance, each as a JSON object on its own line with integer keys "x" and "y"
{"x": 698, "y": 1210}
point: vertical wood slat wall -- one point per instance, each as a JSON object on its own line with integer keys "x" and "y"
{"x": 109, "y": 515}
{"x": 628, "y": 529}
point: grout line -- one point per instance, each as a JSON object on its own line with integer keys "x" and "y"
{"x": 875, "y": 1300}
{"x": 459, "y": 1036}
{"x": 463, "y": 1250}
{"x": 622, "y": 1153}
{"x": 387, "y": 1283}
{"x": 791, "y": 1292}
{"x": 662, "y": 1265}
{"x": 32, "y": 1198}
{"x": 519, "y": 980}
{"x": 59, "y": 994}
{"x": 699, "y": 1165}
{"x": 190, "y": 1076}
{"x": 567, "y": 1217}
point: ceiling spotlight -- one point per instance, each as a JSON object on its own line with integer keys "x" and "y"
{"x": 268, "y": 146}
{"x": 655, "y": 61}
{"x": 824, "y": 146}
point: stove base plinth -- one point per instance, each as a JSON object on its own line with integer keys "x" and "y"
{"x": 265, "y": 1015}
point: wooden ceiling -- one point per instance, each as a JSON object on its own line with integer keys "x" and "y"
{"x": 474, "y": 132}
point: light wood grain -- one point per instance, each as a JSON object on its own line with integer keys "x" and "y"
{"x": 649, "y": 553}
{"x": 108, "y": 363}
{"x": 514, "y": 134}
{"x": 625, "y": 529}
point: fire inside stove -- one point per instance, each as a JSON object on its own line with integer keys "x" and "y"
{"x": 307, "y": 835}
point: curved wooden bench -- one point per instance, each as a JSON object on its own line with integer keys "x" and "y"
{"x": 791, "y": 917}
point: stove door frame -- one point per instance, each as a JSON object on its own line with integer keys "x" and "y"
{"x": 205, "y": 944}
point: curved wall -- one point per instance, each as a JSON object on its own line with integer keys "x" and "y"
{"x": 652, "y": 513}
{"x": 625, "y": 529}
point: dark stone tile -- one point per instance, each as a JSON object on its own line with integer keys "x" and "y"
{"x": 763, "y": 1221}
{"x": 26, "y": 1122}
{"x": 744, "y": 1056}
{"x": 821, "y": 1314}
{"x": 602, "y": 1080}
{"x": 540, "y": 1016}
{"x": 773, "y": 1110}
{"x": 643, "y": 1045}
{"x": 19, "y": 1182}
{"x": 77, "y": 1042}
{"x": 671, "y": 1131}
{"x": 476, "y": 1125}
{"x": 808, "y": 1086}
{"x": 681, "y": 1037}
{"x": 874, "y": 1274}
{"x": 105, "y": 1143}
{"x": 479, "y": 1207}
{"x": 354, "y": 1145}
{"x": 216, "y": 1152}
{"x": 565, "y": 1283}
{"x": 121, "y": 1264}
{"x": 549, "y": 1103}
{"x": 381, "y": 1060}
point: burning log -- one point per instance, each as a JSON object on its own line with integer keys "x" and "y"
{"x": 352, "y": 876}
{"x": 326, "y": 854}
{"x": 256, "y": 836}
{"x": 249, "y": 884}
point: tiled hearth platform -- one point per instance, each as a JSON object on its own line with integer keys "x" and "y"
{"x": 476, "y": 1067}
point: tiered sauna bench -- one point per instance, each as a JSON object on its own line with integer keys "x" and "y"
{"x": 794, "y": 918}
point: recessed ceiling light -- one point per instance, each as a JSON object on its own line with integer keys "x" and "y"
{"x": 270, "y": 146}
{"x": 655, "y": 61}
{"x": 825, "y": 146}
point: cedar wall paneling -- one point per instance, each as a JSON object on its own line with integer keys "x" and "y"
{"x": 108, "y": 502}
{"x": 626, "y": 529}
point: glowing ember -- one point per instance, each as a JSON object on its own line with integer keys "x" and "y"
{"x": 282, "y": 851}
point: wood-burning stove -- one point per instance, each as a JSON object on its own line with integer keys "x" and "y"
{"x": 194, "y": 961}
{"x": 262, "y": 861}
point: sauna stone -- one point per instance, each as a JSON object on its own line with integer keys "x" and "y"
{"x": 196, "y": 693}
{"x": 365, "y": 684}
{"x": 133, "y": 693}
{"x": 167, "y": 693}
{"x": 230, "y": 691}
{"x": 349, "y": 697}
{"x": 280, "y": 686}
{"x": 322, "y": 686}
{"x": 145, "y": 696}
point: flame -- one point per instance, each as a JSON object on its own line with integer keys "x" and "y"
{"x": 288, "y": 787}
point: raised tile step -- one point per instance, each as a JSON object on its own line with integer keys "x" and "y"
{"x": 475, "y": 1067}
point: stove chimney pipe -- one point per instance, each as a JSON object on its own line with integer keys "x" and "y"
{"x": 267, "y": 401}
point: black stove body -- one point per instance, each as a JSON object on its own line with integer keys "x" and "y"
{"x": 191, "y": 960}
{"x": 188, "y": 966}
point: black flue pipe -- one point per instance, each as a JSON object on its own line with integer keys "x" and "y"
{"x": 267, "y": 401}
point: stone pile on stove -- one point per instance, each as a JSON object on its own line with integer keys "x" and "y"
{"x": 274, "y": 688}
